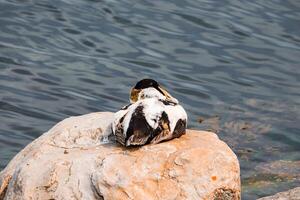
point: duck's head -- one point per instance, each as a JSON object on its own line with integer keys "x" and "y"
{"x": 149, "y": 88}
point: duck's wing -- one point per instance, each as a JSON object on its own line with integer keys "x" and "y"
{"x": 180, "y": 128}
{"x": 176, "y": 114}
{"x": 162, "y": 132}
{"x": 172, "y": 123}
{"x": 118, "y": 123}
{"x": 139, "y": 131}
{"x": 119, "y": 130}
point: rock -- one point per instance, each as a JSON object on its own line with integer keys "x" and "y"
{"x": 293, "y": 194}
{"x": 282, "y": 168}
{"x": 70, "y": 162}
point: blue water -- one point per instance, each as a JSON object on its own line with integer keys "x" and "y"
{"x": 234, "y": 65}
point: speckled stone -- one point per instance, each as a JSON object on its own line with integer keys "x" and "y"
{"x": 70, "y": 162}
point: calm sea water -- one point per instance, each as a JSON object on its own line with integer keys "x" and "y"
{"x": 234, "y": 65}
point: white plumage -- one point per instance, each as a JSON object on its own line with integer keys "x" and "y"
{"x": 153, "y": 118}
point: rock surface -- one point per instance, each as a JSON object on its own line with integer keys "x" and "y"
{"x": 70, "y": 162}
{"x": 293, "y": 194}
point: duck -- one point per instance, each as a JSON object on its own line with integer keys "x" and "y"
{"x": 153, "y": 116}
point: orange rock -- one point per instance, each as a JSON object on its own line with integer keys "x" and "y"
{"x": 70, "y": 162}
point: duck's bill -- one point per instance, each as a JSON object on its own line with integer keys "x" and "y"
{"x": 168, "y": 96}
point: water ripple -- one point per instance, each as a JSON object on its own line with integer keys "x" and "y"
{"x": 234, "y": 65}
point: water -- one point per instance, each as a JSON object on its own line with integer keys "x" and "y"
{"x": 234, "y": 65}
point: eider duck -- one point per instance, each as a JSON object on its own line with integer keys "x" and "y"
{"x": 152, "y": 117}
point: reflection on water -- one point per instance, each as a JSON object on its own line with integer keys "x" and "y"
{"x": 234, "y": 65}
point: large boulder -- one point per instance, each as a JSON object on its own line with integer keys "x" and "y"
{"x": 70, "y": 162}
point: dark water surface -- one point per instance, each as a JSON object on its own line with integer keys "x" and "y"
{"x": 234, "y": 65}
